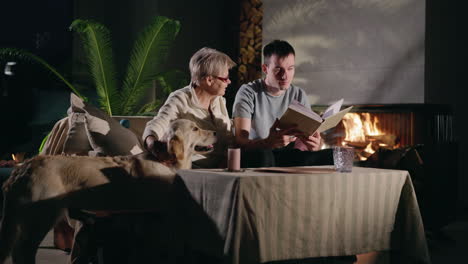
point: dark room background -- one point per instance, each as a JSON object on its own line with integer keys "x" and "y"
{"x": 31, "y": 102}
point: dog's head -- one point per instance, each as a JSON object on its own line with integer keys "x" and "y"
{"x": 185, "y": 139}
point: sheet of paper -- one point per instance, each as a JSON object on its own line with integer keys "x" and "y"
{"x": 333, "y": 109}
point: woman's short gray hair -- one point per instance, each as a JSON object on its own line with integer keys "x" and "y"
{"x": 206, "y": 62}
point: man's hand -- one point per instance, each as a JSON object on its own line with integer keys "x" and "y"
{"x": 313, "y": 142}
{"x": 280, "y": 138}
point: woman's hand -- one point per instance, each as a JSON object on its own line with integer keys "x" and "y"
{"x": 149, "y": 142}
{"x": 152, "y": 145}
{"x": 157, "y": 148}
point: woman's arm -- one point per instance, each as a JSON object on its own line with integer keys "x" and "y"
{"x": 158, "y": 126}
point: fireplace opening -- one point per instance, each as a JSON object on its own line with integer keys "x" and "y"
{"x": 368, "y": 132}
{"x": 369, "y": 128}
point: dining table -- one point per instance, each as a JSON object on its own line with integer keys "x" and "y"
{"x": 261, "y": 215}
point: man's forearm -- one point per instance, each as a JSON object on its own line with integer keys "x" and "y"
{"x": 243, "y": 126}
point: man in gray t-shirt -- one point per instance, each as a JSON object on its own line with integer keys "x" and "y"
{"x": 256, "y": 110}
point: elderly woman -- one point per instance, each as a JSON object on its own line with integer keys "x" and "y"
{"x": 202, "y": 101}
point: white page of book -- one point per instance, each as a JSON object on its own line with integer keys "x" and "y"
{"x": 333, "y": 109}
{"x": 295, "y": 105}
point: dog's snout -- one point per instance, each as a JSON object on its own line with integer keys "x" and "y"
{"x": 214, "y": 133}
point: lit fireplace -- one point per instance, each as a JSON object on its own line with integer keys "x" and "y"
{"x": 362, "y": 131}
{"x": 369, "y": 128}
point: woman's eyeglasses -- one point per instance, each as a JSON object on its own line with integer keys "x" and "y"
{"x": 222, "y": 79}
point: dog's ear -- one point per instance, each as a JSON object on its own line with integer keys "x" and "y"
{"x": 176, "y": 147}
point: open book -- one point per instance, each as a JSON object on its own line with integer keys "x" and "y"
{"x": 308, "y": 121}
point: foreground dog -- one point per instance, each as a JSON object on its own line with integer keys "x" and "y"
{"x": 39, "y": 191}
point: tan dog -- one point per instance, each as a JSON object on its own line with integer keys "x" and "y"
{"x": 39, "y": 191}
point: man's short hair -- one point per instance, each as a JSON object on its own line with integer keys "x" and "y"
{"x": 279, "y": 47}
{"x": 207, "y": 62}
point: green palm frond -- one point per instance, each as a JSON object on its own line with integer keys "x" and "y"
{"x": 149, "y": 107}
{"x": 168, "y": 82}
{"x": 172, "y": 80}
{"x": 96, "y": 40}
{"x": 149, "y": 53}
{"x": 44, "y": 140}
{"x": 19, "y": 54}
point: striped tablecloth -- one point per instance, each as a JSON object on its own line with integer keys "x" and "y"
{"x": 266, "y": 216}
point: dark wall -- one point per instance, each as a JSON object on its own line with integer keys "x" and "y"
{"x": 40, "y": 27}
{"x": 443, "y": 85}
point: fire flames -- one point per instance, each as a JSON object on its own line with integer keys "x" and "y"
{"x": 363, "y": 133}
{"x": 357, "y": 130}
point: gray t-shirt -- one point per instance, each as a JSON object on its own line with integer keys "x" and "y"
{"x": 253, "y": 102}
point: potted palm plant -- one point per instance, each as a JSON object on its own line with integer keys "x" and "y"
{"x": 145, "y": 65}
